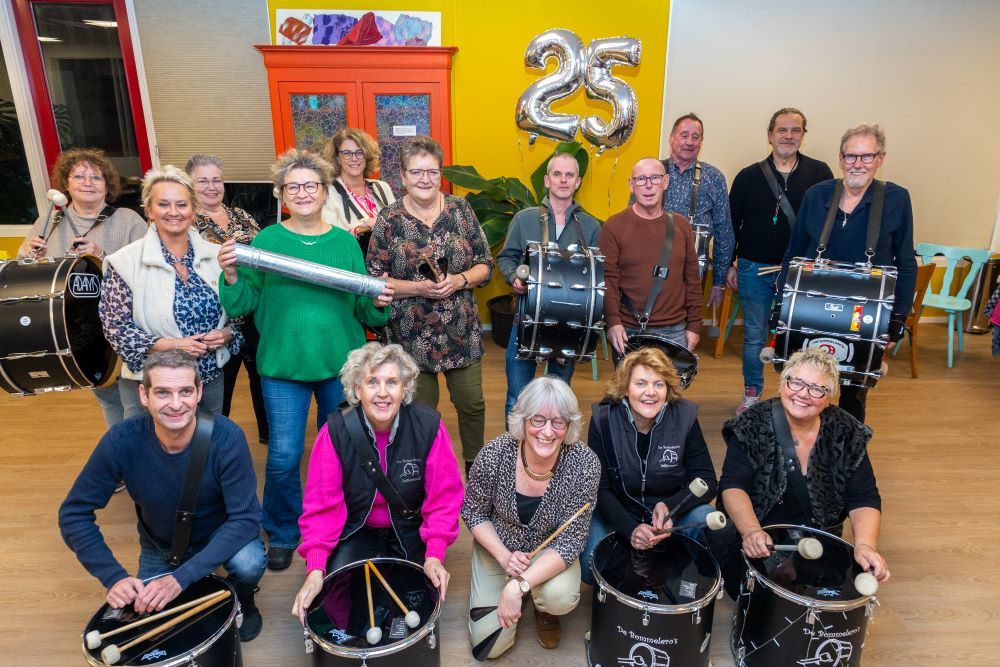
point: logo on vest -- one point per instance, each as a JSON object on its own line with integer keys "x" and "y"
{"x": 84, "y": 285}
{"x": 410, "y": 471}
{"x": 669, "y": 457}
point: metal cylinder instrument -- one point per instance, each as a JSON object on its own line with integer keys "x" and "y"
{"x": 310, "y": 272}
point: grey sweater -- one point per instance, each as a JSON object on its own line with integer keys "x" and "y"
{"x": 120, "y": 228}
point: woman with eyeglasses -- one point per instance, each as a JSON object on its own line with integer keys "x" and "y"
{"x": 355, "y": 197}
{"x": 831, "y": 455}
{"x": 306, "y": 332}
{"x": 651, "y": 447}
{"x": 523, "y": 485}
{"x": 435, "y": 253}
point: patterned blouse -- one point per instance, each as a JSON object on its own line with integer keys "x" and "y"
{"x": 440, "y": 334}
{"x": 196, "y": 310}
{"x": 242, "y": 227}
{"x": 491, "y": 496}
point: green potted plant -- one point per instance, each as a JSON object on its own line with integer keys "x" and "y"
{"x": 496, "y": 201}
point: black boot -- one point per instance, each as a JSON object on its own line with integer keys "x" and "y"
{"x": 252, "y": 620}
{"x": 468, "y": 468}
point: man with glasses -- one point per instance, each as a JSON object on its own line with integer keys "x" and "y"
{"x": 764, "y": 199}
{"x": 650, "y": 266}
{"x": 559, "y": 219}
{"x": 862, "y": 150}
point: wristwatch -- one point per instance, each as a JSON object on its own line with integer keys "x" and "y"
{"x": 465, "y": 281}
{"x": 523, "y": 584}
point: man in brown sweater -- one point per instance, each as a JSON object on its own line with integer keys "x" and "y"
{"x": 632, "y": 242}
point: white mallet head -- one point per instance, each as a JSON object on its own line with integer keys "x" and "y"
{"x": 698, "y": 487}
{"x": 523, "y": 272}
{"x": 810, "y": 548}
{"x": 412, "y": 619}
{"x": 111, "y": 655}
{"x": 373, "y": 636}
{"x": 766, "y": 355}
{"x": 57, "y": 198}
{"x": 93, "y": 639}
{"x": 715, "y": 521}
{"x": 866, "y": 584}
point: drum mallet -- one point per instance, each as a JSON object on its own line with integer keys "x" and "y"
{"x": 866, "y": 584}
{"x": 94, "y": 638}
{"x": 808, "y": 547}
{"x": 412, "y": 618}
{"x": 696, "y": 488}
{"x": 713, "y": 521}
{"x": 55, "y": 198}
{"x": 374, "y": 634}
{"x": 112, "y": 653}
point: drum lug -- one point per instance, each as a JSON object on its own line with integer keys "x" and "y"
{"x": 722, "y": 587}
{"x": 870, "y": 607}
{"x": 364, "y": 659}
{"x": 811, "y": 617}
{"x": 239, "y": 619}
{"x": 601, "y": 594}
{"x": 432, "y": 639}
{"x": 696, "y": 617}
{"x": 310, "y": 646}
{"x": 740, "y": 654}
{"x": 645, "y": 616}
{"x": 750, "y": 583}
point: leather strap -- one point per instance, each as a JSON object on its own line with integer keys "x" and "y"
{"x": 368, "y": 457}
{"x": 779, "y": 194}
{"x": 790, "y": 460}
{"x": 659, "y": 275}
{"x": 201, "y": 443}
{"x": 874, "y": 218}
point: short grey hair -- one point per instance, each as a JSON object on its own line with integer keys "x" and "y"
{"x": 169, "y": 359}
{"x": 168, "y": 174}
{"x": 815, "y": 359}
{"x": 561, "y": 156}
{"x": 372, "y": 356}
{"x": 204, "y": 160}
{"x": 294, "y": 158}
{"x": 417, "y": 146}
{"x": 547, "y": 392}
{"x": 867, "y": 130}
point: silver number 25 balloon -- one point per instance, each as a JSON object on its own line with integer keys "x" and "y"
{"x": 533, "y": 113}
{"x": 602, "y": 55}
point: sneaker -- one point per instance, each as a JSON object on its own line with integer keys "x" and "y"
{"x": 252, "y": 620}
{"x": 750, "y": 396}
{"x": 120, "y": 487}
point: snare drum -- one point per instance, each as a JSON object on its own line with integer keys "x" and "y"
{"x": 562, "y": 314}
{"x": 794, "y": 612}
{"x": 50, "y": 331}
{"x": 337, "y": 620}
{"x": 843, "y": 309}
{"x": 209, "y": 639}
{"x": 652, "y": 607}
{"x": 685, "y": 361}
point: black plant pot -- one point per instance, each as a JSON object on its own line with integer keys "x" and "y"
{"x": 502, "y": 316}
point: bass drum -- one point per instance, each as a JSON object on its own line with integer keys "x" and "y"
{"x": 561, "y": 315}
{"x": 685, "y": 361}
{"x": 50, "y": 332}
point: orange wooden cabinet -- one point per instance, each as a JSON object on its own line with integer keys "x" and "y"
{"x": 390, "y": 92}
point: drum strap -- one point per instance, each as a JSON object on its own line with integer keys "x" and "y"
{"x": 607, "y": 440}
{"x": 695, "y": 184}
{"x": 201, "y": 443}
{"x": 543, "y": 218}
{"x": 659, "y": 275}
{"x": 874, "y": 218}
{"x": 793, "y": 473}
{"x": 779, "y": 194}
{"x": 368, "y": 456}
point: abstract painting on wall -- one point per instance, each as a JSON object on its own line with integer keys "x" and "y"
{"x": 339, "y": 27}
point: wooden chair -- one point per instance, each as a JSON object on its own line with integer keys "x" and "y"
{"x": 727, "y": 316}
{"x": 924, "y": 274}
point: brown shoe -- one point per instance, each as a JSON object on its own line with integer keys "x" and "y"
{"x": 548, "y": 628}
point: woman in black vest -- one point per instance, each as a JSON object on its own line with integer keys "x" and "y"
{"x": 346, "y": 517}
{"x": 651, "y": 448}
{"x": 831, "y": 452}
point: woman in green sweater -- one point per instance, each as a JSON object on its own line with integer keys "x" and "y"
{"x": 306, "y": 332}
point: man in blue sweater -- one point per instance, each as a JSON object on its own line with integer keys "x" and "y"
{"x": 150, "y": 453}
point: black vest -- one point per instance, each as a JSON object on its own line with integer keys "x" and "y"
{"x": 665, "y": 471}
{"x": 407, "y": 460}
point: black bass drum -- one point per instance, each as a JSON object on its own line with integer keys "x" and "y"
{"x": 685, "y": 361}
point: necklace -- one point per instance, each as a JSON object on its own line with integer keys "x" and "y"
{"x": 424, "y": 218}
{"x": 544, "y": 477}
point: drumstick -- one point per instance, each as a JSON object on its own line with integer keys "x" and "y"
{"x": 56, "y": 199}
{"x": 866, "y": 584}
{"x": 374, "y": 634}
{"x": 558, "y": 530}
{"x": 94, "y": 638}
{"x": 425, "y": 257}
{"x": 696, "y": 488}
{"x": 412, "y": 617}
{"x": 714, "y": 521}
{"x": 112, "y": 653}
{"x": 768, "y": 269}
{"x": 808, "y": 547}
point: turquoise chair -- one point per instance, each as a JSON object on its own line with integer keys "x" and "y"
{"x": 953, "y": 304}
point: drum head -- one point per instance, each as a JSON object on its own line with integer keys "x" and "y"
{"x": 683, "y": 360}
{"x": 338, "y": 617}
{"x": 677, "y": 572}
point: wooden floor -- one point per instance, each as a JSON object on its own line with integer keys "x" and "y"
{"x": 935, "y": 452}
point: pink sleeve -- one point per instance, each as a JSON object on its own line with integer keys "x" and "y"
{"x": 443, "y": 500}
{"x": 324, "y": 511}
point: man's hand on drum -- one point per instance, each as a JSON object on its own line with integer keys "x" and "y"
{"x": 156, "y": 594}
{"x": 124, "y": 592}
{"x": 385, "y": 298}
{"x": 519, "y": 286}
{"x": 227, "y": 261}
{"x": 310, "y": 589}
{"x": 757, "y": 544}
{"x": 617, "y": 338}
{"x": 870, "y": 559}
{"x": 692, "y": 339}
{"x": 516, "y": 564}
{"x": 644, "y": 537}
{"x": 509, "y": 608}
{"x": 434, "y": 569}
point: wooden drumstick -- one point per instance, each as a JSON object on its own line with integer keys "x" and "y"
{"x": 374, "y": 634}
{"x": 768, "y": 269}
{"x": 412, "y": 618}
{"x": 558, "y": 530}
{"x": 112, "y": 653}
{"x": 94, "y": 638}
{"x": 808, "y": 547}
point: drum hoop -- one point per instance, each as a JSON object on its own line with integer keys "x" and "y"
{"x": 804, "y": 600}
{"x": 381, "y": 651}
{"x": 184, "y": 658}
{"x": 72, "y": 368}
{"x": 689, "y": 608}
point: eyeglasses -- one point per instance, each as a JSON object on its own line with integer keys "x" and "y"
{"x": 358, "y": 154}
{"x": 93, "y": 178}
{"x": 420, "y": 173}
{"x": 204, "y": 182}
{"x": 655, "y": 179}
{"x": 815, "y": 390}
{"x": 851, "y": 158}
{"x": 558, "y": 423}
{"x": 311, "y": 187}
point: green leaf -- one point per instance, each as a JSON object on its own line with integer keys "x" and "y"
{"x": 495, "y": 227}
{"x": 574, "y": 148}
{"x": 465, "y": 176}
{"x": 484, "y": 205}
{"x": 520, "y": 193}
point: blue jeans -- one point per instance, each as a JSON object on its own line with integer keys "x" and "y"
{"x": 756, "y": 296}
{"x": 118, "y": 401}
{"x": 522, "y": 371}
{"x": 287, "y": 404}
{"x": 599, "y": 530}
{"x": 245, "y": 568}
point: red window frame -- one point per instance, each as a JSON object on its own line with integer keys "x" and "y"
{"x": 25, "y": 21}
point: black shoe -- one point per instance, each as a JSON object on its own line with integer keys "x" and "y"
{"x": 263, "y": 439}
{"x": 468, "y": 468}
{"x": 253, "y": 622}
{"x": 120, "y": 487}
{"x": 279, "y": 558}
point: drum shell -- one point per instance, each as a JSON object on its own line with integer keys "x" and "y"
{"x": 217, "y": 629}
{"x": 685, "y": 361}
{"x": 766, "y": 610}
{"x": 624, "y": 627}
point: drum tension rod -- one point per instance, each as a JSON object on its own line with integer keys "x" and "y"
{"x": 33, "y": 297}
{"x": 36, "y": 355}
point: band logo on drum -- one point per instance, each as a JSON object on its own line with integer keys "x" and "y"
{"x": 643, "y": 641}
{"x": 84, "y": 285}
{"x": 838, "y": 349}
{"x": 831, "y": 653}
{"x": 153, "y": 655}
{"x": 644, "y": 655}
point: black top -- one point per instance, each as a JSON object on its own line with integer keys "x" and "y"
{"x": 526, "y": 507}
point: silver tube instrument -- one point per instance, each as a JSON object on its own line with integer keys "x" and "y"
{"x": 310, "y": 272}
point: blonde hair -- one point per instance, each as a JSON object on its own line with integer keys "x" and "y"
{"x": 817, "y": 360}
{"x": 168, "y": 174}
